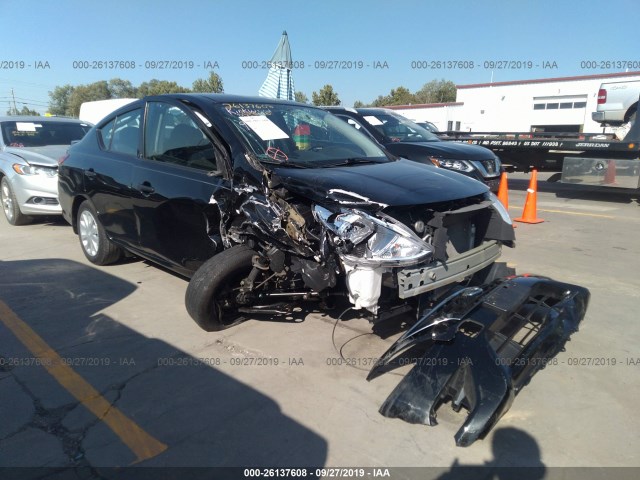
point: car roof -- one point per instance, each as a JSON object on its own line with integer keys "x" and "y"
{"x": 373, "y": 111}
{"x": 360, "y": 111}
{"x": 35, "y": 118}
{"x": 223, "y": 98}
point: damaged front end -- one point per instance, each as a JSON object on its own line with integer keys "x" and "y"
{"x": 479, "y": 348}
{"x": 368, "y": 246}
{"x": 407, "y": 251}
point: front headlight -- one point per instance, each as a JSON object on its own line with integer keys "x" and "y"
{"x": 21, "y": 169}
{"x": 457, "y": 165}
{"x": 386, "y": 242}
{"x": 497, "y": 204}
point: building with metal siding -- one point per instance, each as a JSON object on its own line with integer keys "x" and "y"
{"x": 552, "y": 104}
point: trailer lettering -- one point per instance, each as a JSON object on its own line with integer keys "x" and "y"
{"x": 594, "y": 145}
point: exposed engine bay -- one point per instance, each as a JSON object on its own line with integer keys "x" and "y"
{"x": 377, "y": 251}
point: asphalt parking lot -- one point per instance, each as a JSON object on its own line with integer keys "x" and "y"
{"x": 102, "y": 366}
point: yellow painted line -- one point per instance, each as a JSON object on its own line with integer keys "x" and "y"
{"x": 143, "y": 445}
{"x": 582, "y": 214}
{"x": 596, "y": 215}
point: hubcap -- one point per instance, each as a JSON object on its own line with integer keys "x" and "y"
{"x": 89, "y": 233}
{"x": 7, "y": 201}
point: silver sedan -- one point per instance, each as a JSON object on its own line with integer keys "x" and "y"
{"x": 29, "y": 151}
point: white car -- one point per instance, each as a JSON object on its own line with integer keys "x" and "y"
{"x": 29, "y": 151}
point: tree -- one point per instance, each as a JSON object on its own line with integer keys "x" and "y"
{"x": 436, "y": 91}
{"x": 401, "y": 96}
{"x": 358, "y": 104}
{"x": 159, "y": 87}
{"x": 119, "y": 88}
{"x": 25, "y": 111}
{"x": 213, "y": 84}
{"x": 397, "y": 96}
{"x": 59, "y": 99}
{"x": 301, "y": 97}
{"x": 381, "y": 101}
{"x": 87, "y": 93}
{"x": 326, "y": 96}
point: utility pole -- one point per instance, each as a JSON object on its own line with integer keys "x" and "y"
{"x": 15, "y": 109}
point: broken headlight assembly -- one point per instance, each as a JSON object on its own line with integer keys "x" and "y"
{"x": 371, "y": 241}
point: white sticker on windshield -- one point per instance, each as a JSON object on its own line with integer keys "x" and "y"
{"x": 265, "y": 128}
{"x": 26, "y": 126}
{"x": 373, "y": 120}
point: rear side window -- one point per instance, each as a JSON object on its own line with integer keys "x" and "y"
{"x": 105, "y": 134}
{"x": 122, "y": 134}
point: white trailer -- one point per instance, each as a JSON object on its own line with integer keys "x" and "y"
{"x": 93, "y": 112}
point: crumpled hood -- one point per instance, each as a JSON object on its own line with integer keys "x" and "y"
{"x": 448, "y": 150}
{"x": 46, "y": 156}
{"x": 398, "y": 183}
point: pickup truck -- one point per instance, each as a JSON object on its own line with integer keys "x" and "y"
{"x": 617, "y": 102}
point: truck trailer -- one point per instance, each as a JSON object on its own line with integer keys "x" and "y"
{"x": 594, "y": 159}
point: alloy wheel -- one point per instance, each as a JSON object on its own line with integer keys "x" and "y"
{"x": 7, "y": 201}
{"x": 88, "y": 229}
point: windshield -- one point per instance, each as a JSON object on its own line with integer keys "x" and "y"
{"x": 397, "y": 128}
{"x": 42, "y": 133}
{"x": 298, "y": 135}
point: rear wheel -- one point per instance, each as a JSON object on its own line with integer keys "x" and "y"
{"x": 94, "y": 242}
{"x": 212, "y": 294}
{"x": 10, "y": 205}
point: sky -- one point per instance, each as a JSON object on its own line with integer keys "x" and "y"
{"x": 377, "y": 45}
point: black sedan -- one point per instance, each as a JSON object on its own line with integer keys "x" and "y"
{"x": 263, "y": 202}
{"x": 269, "y": 205}
{"x": 407, "y": 139}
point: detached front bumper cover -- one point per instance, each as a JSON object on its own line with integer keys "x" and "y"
{"x": 478, "y": 348}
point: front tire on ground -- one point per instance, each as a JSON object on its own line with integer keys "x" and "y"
{"x": 94, "y": 242}
{"x": 10, "y": 205}
{"x": 211, "y": 294}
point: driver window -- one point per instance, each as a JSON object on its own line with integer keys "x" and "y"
{"x": 172, "y": 136}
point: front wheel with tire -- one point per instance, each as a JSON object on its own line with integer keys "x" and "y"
{"x": 94, "y": 242}
{"x": 212, "y": 294}
{"x": 10, "y": 205}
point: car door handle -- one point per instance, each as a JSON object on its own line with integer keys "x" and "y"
{"x": 145, "y": 188}
{"x": 91, "y": 173}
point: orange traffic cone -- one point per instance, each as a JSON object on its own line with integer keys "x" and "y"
{"x": 503, "y": 191}
{"x": 529, "y": 214}
{"x": 610, "y": 175}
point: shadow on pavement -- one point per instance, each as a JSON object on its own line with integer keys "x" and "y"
{"x": 516, "y": 457}
{"x": 563, "y": 190}
{"x": 203, "y": 416}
